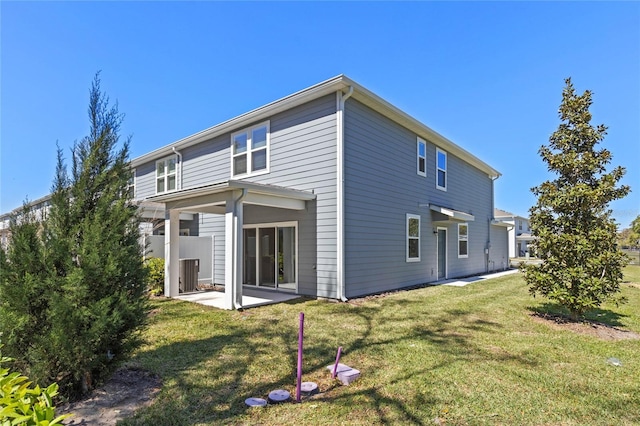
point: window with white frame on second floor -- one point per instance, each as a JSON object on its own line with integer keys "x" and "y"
{"x": 166, "y": 175}
{"x": 422, "y": 157}
{"x": 463, "y": 240}
{"x": 441, "y": 169}
{"x": 250, "y": 150}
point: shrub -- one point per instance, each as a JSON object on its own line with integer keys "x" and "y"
{"x": 155, "y": 275}
{"x": 21, "y": 404}
{"x": 73, "y": 297}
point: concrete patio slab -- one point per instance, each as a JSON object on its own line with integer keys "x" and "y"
{"x": 251, "y": 297}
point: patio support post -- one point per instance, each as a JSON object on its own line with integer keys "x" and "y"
{"x": 233, "y": 251}
{"x": 171, "y": 253}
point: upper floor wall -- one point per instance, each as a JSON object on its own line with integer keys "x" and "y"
{"x": 294, "y": 148}
{"x": 393, "y": 172}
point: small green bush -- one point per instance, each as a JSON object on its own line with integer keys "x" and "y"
{"x": 23, "y": 405}
{"x": 155, "y": 275}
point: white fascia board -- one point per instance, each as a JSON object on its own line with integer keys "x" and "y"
{"x": 321, "y": 89}
{"x": 385, "y": 108}
{"x": 502, "y": 224}
{"x": 215, "y": 194}
{"x": 332, "y": 85}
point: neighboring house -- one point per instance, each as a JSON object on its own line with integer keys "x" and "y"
{"x": 330, "y": 192}
{"x": 519, "y": 232}
{"x": 39, "y": 208}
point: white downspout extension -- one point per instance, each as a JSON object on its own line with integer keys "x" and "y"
{"x": 340, "y": 101}
{"x": 179, "y": 177}
{"x": 238, "y": 248}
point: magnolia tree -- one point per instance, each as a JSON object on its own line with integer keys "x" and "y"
{"x": 575, "y": 234}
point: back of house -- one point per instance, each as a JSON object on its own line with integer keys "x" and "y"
{"x": 329, "y": 192}
{"x": 342, "y": 195}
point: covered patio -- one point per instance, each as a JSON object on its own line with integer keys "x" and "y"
{"x": 224, "y": 198}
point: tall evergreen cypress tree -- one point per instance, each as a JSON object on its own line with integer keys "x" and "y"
{"x": 95, "y": 295}
{"x": 575, "y": 234}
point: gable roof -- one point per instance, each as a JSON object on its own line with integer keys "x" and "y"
{"x": 332, "y": 85}
{"x": 497, "y": 213}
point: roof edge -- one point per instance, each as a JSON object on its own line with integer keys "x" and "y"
{"x": 323, "y": 88}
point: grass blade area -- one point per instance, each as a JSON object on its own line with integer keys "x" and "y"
{"x": 469, "y": 355}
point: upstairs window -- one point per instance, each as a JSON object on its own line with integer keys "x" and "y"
{"x": 463, "y": 240}
{"x": 413, "y": 238}
{"x": 422, "y": 157}
{"x": 250, "y": 151}
{"x": 131, "y": 185}
{"x": 166, "y": 175}
{"x": 441, "y": 169}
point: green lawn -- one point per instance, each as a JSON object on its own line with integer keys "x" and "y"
{"x": 438, "y": 355}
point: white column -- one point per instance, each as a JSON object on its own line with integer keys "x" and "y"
{"x": 171, "y": 253}
{"x": 233, "y": 251}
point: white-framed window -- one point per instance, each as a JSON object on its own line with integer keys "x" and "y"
{"x": 166, "y": 174}
{"x": 131, "y": 185}
{"x": 463, "y": 240}
{"x": 250, "y": 150}
{"x": 441, "y": 169}
{"x": 422, "y": 157}
{"x": 413, "y": 238}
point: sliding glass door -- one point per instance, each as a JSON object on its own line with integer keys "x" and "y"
{"x": 270, "y": 255}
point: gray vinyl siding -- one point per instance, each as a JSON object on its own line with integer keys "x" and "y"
{"x": 382, "y": 186}
{"x": 468, "y": 190}
{"x": 499, "y": 251}
{"x": 206, "y": 162}
{"x": 145, "y": 180}
{"x": 303, "y": 157}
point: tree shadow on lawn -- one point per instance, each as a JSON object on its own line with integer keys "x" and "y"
{"x": 605, "y": 317}
{"x": 208, "y": 379}
{"x": 600, "y": 323}
{"x": 450, "y": 334}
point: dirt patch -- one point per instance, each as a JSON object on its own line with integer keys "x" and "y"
{"x": 125, "y": 392}
{"x": 591, "y": 328}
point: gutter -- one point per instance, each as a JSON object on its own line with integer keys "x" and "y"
{"x": 491, "y": 219}
{"x": 340, "y": 101}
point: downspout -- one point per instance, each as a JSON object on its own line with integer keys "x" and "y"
{"x": 340, "y": 101}
{"x": 236, "y": 304}
{"x": 179, "y": 177}
{"x": 491, "y": 218}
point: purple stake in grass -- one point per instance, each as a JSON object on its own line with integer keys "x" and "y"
{"x": 335, "y": 367}
{"x": 300, "y": 337}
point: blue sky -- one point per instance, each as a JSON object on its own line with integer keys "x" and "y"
{"x": 487, "y": 75}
